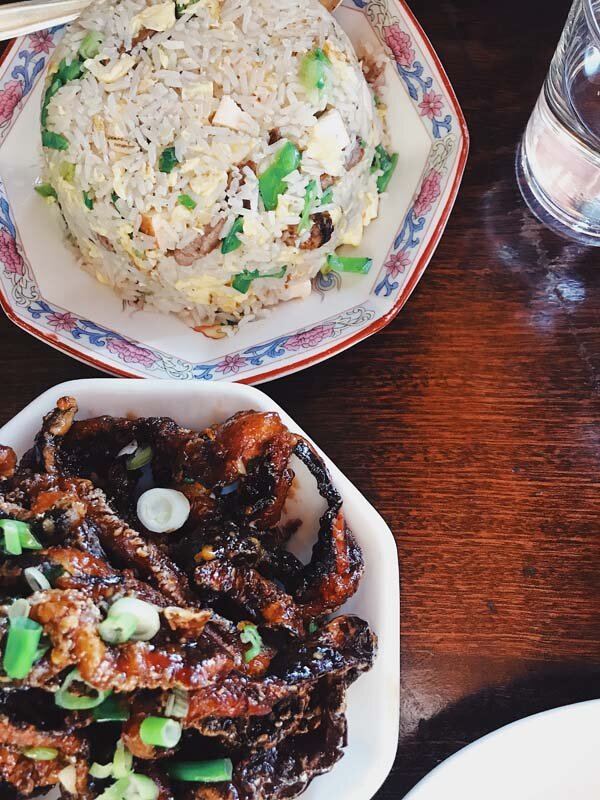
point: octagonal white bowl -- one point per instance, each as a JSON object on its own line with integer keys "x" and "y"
{"x": 373, "y": 700}
{"x": 43, "y": 291}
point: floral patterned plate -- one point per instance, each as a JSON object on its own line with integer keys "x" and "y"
{"x": 44, "y": 292}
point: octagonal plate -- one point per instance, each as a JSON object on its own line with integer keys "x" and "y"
{"x": 44, "y": 292}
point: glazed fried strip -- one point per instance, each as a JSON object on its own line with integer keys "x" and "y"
{"x": 71, "y": 620}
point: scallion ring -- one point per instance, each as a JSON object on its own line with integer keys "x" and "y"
{"x": 177, "y": 704}
{"x": 163, "y": 510}
{"x": 78, "y": 702}
{"x": 140, "y": 787}
{"x": 118, "y": 628}
{"x": 146, "y": 615}
{"x": 122, "y": 764}
{"x": 36, "y": 579}
{"x": 160, "y": 732}
{"x": 113, "y": 709}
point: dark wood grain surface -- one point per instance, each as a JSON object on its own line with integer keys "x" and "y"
{"x": 471, "y": 422}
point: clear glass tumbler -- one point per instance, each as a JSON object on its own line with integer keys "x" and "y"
{"x": 558, "y": 161}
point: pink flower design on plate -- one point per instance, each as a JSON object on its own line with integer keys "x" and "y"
{"x": 430, "y": 191}
{"x": 311, "y": 338}
{"x": 41, "y": 42}
{"x": 131, "y": 353}
{"x": 397, "y": 263}
{"x": 400, "y": 44}
{"x": 231, "y": 365}
{"x": 9, "y": 255}
{"x": 431, "y": 105}
{"x": 9, "y": 99}
{"x": 62, "y": 322}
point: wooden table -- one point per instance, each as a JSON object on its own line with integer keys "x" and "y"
{"x": 471, "y": 421}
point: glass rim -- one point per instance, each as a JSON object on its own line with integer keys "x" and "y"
{"x": 592, "y": 19}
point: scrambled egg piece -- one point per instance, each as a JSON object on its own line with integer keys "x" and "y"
{"x": 371, "y": 208}
{"x": 328, "y": 138}
{"x": 197, "y": 90}
{"x": 159, "y": 17}
{"x": 354, "y": 232}
{"x": 230, "y": 115}
{"x": 202, "y": 289}
{"x": 109, "y": 73}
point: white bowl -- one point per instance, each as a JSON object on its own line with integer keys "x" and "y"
{"x": 373, "y": 701}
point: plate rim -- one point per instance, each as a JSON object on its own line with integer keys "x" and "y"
{"x": 337, "y": 346}
{"x": 415, "y": 792}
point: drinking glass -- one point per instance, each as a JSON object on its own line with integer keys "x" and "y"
{"x": 558, "y": 160}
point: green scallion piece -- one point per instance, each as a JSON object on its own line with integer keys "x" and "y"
{"x": 242, "y": 281}
{"x": 313, "y": 70}
{"x": 67, "y": 171}
{"x": 141, "y": 457}
{"x": 187, "y": 202}
{"x": 140, "y": 787}
{"x": 327, "y": 197}
{"x": 54, "y": 141}
{"x": 45, "y": 190}
{"x": 113, "y": 709}
{"x": 309, "y": 199}
{"x": 383, "y": 181}
{"x": 87, "y": 200}
{"x": 71, "y": 71}
{"x": 217, "y": 771}
{"x": 231, "y": 242}
{"x": 40, "y": 753}
{"x": 167, "y": 160}
{"x": 118, "y": 629}
{"x": 271, "y": 183}
{"x": 14, "y": 529}
{"x": 312, "y": 627}
{"x": 21, "y": 646}
{"x": 386, "y": 164}
{"x": 122, "y": 764}
{"x": 160, "y": 731}
{"x": 114, "y": 198}
{"x": 90, "y": 45}
{"x": 182, "y": 8}
{"x": 12, "y": 541}
{"x": 52, "y": 89}
{"x": 28, "y": 540}
{"x": 78, "y": 702}
{"x": 251, "y": 636}
{"x": 347, "y": 264}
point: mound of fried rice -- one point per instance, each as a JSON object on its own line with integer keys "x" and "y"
{"x": 163, "y": 117}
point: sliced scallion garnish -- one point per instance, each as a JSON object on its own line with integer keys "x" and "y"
{"x": 243, "y": 280}
{"x": 21, "y": 646}
{"x": 348, "y": 264}
{"x": 167, "y": 160}
{"x": 221, "y": 769}
{"x": 113, "y": 709}
{"x": 231, "y": 242}
{"x": 141, "y": 457}
{"x": 54, "y": 141}
{"x": 36, "y": 579}
{"x": 147, "y": 621}
{"x": 118, "y": 628}
{"x": 160, "y": 732}
{"x": 309, "y": 199}
{"x": 90, "y": 45}
{"x": 187, "y": 202}
{"x": 40, "y": 753}
{"x": 78, "y": 702}
{"x": 45, "y": 190}
{"x": 251, "y": 636}
{"x": 271, "y": 183}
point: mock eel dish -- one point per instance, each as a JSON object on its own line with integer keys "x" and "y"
{"x": 159, "y": 642}
{"x": 209, "y": 156}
